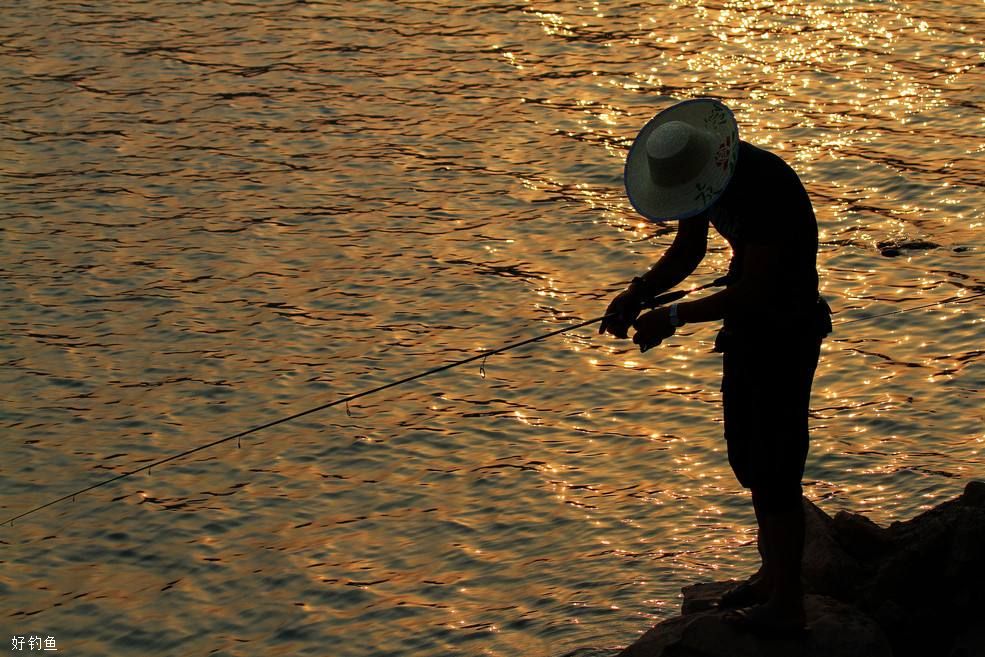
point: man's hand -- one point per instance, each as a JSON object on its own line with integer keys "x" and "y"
{"x": 624, "y": 308}
{"x": 653, "y": 328}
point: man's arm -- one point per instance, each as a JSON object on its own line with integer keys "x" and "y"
{"x": 756, "y": 286}
{"x": 682, "y": 258}
{"x": 673, "y": 267}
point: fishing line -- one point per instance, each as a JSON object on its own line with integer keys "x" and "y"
{"x": 906, "y": 310}
{"x": 660, "y": 300}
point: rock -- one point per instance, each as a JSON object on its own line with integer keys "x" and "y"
{"x": 930, "y": 587}
{"x": 893, "y": 248}
{"x": 837, "y": 630}
{"x": 704, "y": 596}
{"x": 912, "y": 589}
{"x": 828, "y": 569}
{"x": 974, "y": 493}
{"x": 860, "y": 537}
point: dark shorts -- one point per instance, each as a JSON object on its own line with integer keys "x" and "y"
{"x": 766, "y": 392}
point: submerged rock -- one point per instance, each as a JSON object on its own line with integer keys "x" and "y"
{"x": 893, "y": 248}
{"x": 912, "y": 589}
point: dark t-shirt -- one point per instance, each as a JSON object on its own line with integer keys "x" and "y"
{"x": 766, "y": 203}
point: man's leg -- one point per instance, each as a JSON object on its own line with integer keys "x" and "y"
{"x": 757, "y": 587}
{"x": 762, "y": 579}
{"x": 777, "y": 493}
{"x": 766, "y": 403}
{"x": 781, "y": 531}
{"x": 764, "y": 576}
{"x": 768, "y": 399}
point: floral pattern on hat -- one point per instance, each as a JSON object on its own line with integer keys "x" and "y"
{"x": 724, "y": 154}
{"x": 717, "y": 118}
{"x": 725, "y": 158}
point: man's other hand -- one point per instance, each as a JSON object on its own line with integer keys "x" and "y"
{"x": 653, "y": 328}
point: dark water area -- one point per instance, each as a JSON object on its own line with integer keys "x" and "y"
{"x": 216, "y": 214}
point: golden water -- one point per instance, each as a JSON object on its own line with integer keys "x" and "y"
{"x": 215, "y": 214}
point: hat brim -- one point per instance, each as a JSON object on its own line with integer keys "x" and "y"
{"x": 697, "y": 194}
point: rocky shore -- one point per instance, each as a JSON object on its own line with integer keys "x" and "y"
{"x": 913, "y": 589}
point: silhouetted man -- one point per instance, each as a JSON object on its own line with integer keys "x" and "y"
{"x": 688, "y": 164}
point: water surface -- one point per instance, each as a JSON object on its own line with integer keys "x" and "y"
{"x": 216, "y": 214}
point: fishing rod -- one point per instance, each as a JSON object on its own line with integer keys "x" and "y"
{"x": 655, "y": 302}
{"x": 660, "y": 300}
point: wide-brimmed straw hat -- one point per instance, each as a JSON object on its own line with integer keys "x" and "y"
{"x": 682, "y": 160}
